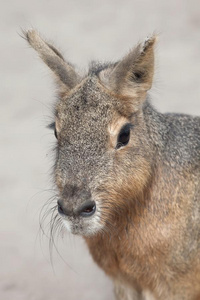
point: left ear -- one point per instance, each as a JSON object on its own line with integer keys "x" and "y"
{"x": 133, "y": 75}
{"x": 67, "y": 78}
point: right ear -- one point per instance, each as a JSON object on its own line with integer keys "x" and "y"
{"x": 132, "y": 77}
{"x": 66, "y": 76}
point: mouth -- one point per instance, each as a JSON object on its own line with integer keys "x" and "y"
{"x": 77, "y": 227}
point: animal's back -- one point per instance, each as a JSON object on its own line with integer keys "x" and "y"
{"x": 183, "y": 144}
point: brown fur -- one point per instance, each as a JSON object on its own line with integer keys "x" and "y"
{"x": 142, "y": 244}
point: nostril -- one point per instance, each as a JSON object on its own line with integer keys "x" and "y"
{"x": 88, "y": 209}
{"x": 63, "y": 210}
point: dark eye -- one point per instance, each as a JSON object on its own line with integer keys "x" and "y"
{"x": 55, "y": 133}
{"x": 124, "y": 136}
{"x": 53, "y": 126}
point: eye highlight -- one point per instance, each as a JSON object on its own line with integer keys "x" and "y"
{"x": 124, "y": 136}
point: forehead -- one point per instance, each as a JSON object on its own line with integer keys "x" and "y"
{"x": 83, "y": 119}
{"x": 88, "y": 102}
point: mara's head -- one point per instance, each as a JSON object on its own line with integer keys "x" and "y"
{"x": 103, "y": 159}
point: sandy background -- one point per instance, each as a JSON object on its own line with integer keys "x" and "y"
{"x": 83, "y": 30}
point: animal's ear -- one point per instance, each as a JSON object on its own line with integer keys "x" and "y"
{"x": 133, "y": 75}
{"x": 66, "y": 76}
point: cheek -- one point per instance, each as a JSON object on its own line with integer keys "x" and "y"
{"x": 59, "y": 179}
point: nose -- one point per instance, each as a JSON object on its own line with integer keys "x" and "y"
{"x": 87, "y": 209}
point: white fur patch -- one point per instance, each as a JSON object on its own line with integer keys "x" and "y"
{"x": 67, "y": 224}
{"x": 147, "y": 295}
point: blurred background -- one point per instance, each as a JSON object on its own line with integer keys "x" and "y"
{"x": 83, "y": 30}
